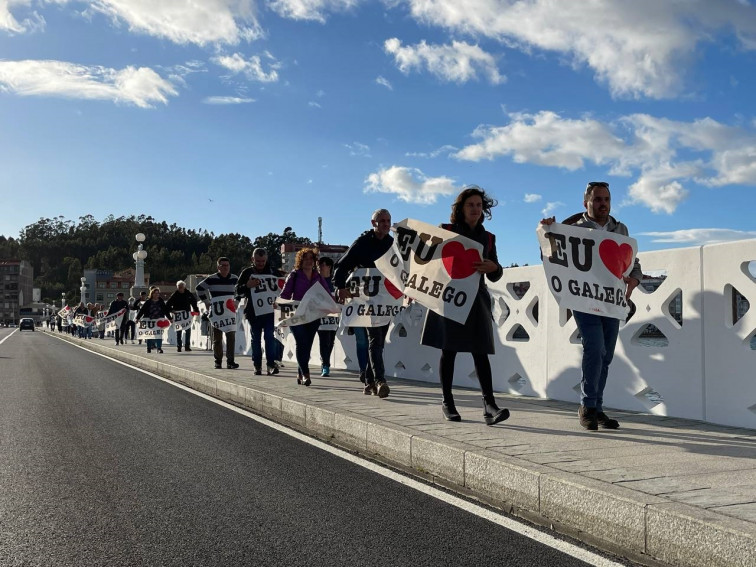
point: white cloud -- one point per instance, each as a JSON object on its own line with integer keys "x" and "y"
{"x": 700, "y": 236}
{"x": 357, "y": 149}
{"x": 532, "y": 197}
{"x": 310, "y": 9}
{"x": 663, "y": 154}
{"x": 550, "y": 207}
{"x": 141, "y": 86}
{"x": 251, "y": 68}
{"x": 459, "y": 62}
{"x": 409, "y": 185}
{"x": 384, "y": 82}
{"x": 639, "y": 48}
{"x": 445, "y": 149}
{"x": 313, "y": 104}
{"x": 11, "y": 23}
{"x": 227, "y": 100}
{"x": 186, "y": 21}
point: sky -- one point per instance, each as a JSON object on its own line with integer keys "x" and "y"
{"x": 249, "y": 116}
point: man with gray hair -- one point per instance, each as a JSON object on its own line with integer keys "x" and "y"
{"x": 369, "y": 246}
{"x": 183, "y": 300}
{"x": 598, "y": 333}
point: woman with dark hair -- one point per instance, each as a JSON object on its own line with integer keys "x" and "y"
{"x": 154, "y": 308}
{"x": 476, "y": 334}
{"x": 298, "y": 282}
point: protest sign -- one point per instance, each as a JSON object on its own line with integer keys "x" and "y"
{"x": 113, "y": 322}
{"x": 585, "y": 268}
{"x": 264, "y": 295}
{"x": 330, "y": 323}
{"x": 374, "y": 302}
{"x": 435, "y": 267}
{"x": 152, "y": 328}
{"x": 83, "y": 320}
{"x": 182, "y": 320}
{"x": 315, "y": 304}
{"x": 223, "y": 314}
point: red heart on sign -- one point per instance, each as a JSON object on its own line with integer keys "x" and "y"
{"x": 194, "y": 313}
{"x": 458, "y": 260}
{"x": 88, "y": 319}
{"x": 392, "y": 289}
{"x": 163, "y": 323}
{"x": 616, "y": 257}
{"x": 231, "y": 305}
{"x": 281, "y": 283}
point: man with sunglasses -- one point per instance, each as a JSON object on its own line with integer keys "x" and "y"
{"x": 599, "y": 333}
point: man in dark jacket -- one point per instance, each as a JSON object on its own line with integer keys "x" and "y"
{"x": 183, "y": 300}
{"x": 260, "y": 325}
{"x": 599, "y": 333}
{"x": 115, "y": 307}
{"x": 363, "y": 253}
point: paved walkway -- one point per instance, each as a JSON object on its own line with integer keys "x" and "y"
{"x": 674, "y": 490}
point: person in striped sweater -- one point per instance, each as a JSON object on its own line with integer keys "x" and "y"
{"x": 221, "y": 284}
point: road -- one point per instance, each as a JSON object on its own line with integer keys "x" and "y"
{"x": 104, "y": 465}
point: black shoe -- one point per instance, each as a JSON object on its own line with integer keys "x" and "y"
{"x": 149, "y": 350}
{"x": 492, "y": 414}
{"x": 362, "y": 376}
{"x": 306, "y": 380}
{"x": 272, "y": 369}
{"x": 178, "y": 348}
{"x": 383, "y": 389}
{"x": 218, "y": 365}
{"x": 588, "y": 418}
{"x": 258, "y": 370}
{"x": 232, "y": 365}
{"x": 606, "y": 422}
{"x": 160, "y": 350}
{"x": 370, "y": 389}
{"x": 450, "y": 412}
{"x": 187, "y": 349}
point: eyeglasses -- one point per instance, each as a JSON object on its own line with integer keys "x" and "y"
{"x": 597, "y": 184}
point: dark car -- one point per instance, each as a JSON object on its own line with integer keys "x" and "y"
{"x": 26, "y": 324}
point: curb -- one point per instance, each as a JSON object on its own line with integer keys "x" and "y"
{"x": 640, "y": 526}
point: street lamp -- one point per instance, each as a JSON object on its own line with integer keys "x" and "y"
{"x": 62, "y": 299}
{"x": 83, "y": 290}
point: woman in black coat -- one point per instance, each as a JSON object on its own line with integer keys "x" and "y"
{"x": 476, "y": 334}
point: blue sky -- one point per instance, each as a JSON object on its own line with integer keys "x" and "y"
{"x": 249, "y": 116}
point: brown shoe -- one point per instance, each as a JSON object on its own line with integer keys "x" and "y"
{"x": 606, "y": 422}
{"x": 588, "y": 418}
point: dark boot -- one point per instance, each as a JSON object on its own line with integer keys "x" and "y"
{"x": 491, "y": 412}
{"x": 606, "y": 422}
{"x": 588, "y": 418}
{"x": 450, "y": 412}
{"x": 178, "y": 347}
{"x": 258, "y": 369}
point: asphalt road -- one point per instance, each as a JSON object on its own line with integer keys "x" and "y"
{"x": 103, "y": 465}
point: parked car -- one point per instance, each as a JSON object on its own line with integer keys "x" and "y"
{"x": 26, "y": 324}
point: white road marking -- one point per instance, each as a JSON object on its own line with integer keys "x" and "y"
{"x": 508, "y": 523}
{"x": 9, "y": 336}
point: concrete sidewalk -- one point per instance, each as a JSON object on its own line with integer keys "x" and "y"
{"x": 677, "y": 491}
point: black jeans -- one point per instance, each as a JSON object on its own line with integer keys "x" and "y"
{"x": 187, "y": 337}
{"x": 304, "y": 336}
{"x": 327, "y": 340}
{"x": 376, "y": 342}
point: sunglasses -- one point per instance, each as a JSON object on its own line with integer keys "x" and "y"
{"x": 598, "y": 184}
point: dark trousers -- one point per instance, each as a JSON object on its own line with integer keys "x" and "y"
{"x": 261, "y": 329}
{"x": 187, "y": 337}
{"x": 327, "y": 340}
{"x": 130, "y": 327}
{"x": 304, "y": 336}
{"x": 376, "y": 342}
{"x": 218, "y": 346}
{"x": 482, "y": 369}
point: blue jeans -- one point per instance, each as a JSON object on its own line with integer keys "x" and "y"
{"x": 304, "y": 336}
{"x": 599, "y": 336}
{"x": 259, "y": 327}
{"x": 361, "y": 344}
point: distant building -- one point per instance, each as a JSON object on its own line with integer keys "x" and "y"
{"x": 289, "y": 252}
{"x": 103, "y": 285}
{"x": 16, "y": 284}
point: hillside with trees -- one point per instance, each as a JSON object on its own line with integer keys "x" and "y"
{"x": 60, "y": 249}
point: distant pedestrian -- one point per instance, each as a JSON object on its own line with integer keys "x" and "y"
{"x": 598, "y": 333}
{"x": 138, "y": 302}
{"x": 115, "y": 306}
{"x": 220, "y": 284}
{"x": 154, "y": 308}
{"x": 183, "y": 300}
{"x": 476, "y": 334}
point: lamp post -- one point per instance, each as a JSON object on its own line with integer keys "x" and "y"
{"x": 139, "y": 257}
{"x": 83, "y": 290}
{"x": 62, "y": 299}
